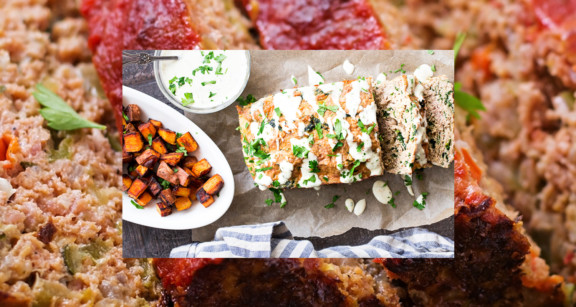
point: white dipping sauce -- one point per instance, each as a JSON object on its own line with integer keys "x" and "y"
{"x": 207, "y": 78}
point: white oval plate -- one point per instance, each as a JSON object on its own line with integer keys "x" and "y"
{"x": 197, "y": 215}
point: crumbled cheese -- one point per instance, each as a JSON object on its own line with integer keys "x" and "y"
{"x": 348, "y": 67}
{"x": 314, "y": 77}
{"x": 423, "y": 72}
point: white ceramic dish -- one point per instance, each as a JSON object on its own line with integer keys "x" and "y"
{"x": 191, "y": 108}
{"x": 197, "y": 215}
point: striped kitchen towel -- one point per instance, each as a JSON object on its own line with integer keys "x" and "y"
{"x": 274, "y": 240}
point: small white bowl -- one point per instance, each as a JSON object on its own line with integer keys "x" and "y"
{"x": 191, "y": 108}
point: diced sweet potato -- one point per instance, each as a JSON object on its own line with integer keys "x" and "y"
{"x": 137, "y": 188}
{"x": 129, "y": 128}
{"x": 144, "y": 199}
{"x": 172, "y": 158}
{"x": 124, "y": 122}
{"x": 188, "y": 142}
{"x": 133, "y": 112}
{"x": 181, "y": 191}
{"x": 189, "y": 161}
{"x": 163, "y": 209}
{"x": 183, "y": 176}
{"x": 154, "y": 187}
{"x": 201, "y": 168}
{"x": 156, "y": 123}
{"x": 133, "y": 142}
{"x": 167, "y": 173}
{"x": 126, "y": 156}
{"x": 193, "y": 194}
{"x": 148, "y": 158}
{"x": 205, "y": 199}
{"x": 213, "y": 185}
{"x": 167, "y": 197}
{"x": 182, "y": 203}
{"x": 147, "y": 129}
{"x": 158, "y": 146}
{"x": 141, "y": 170}
{"x": 126, "y": 183}
{"x": 167, "y": 135}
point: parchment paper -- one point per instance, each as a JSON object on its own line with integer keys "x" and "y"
{"x": 305, "y": 214}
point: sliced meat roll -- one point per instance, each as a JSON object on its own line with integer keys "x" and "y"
{"x": 439, "y": 108}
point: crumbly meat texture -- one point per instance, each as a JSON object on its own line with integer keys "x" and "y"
{"x": 400, "y": 117}
{"x": 439, "y": 109}
{"x": 60, "y": 232}
{"x": 265, "y": 282}
{"x": 494, "y": 262}
{"x": 521, "y": 65}
{"x": 314, "y": 135}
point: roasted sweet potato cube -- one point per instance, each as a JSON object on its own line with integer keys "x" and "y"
{"x": 148, "y": 158}
{"x": 188, "y": 142}
{"x": 163, "y": 209}
{"x": 182, "y": 203}
{"x": 167, "y": 135}
{"x": 156, "y": 123}
{"x": 124, "y": 122}
{"x": 126, "y": 183}
{"x": 193, "y": 191}
{"x": 167, "y": 197}
{"x": 189, "y": 161}
{"x": 144, "y": 199}
{"x": 137, "y": 188}
{"x": 133, "y": 142}
{"x": 147, "y": 130}
{"x": 209, "y": 201}
{"x": 183, "y": 176}
{"x": 181, "y": 191}
{"x": 126, "y": 156}
{"x": 133, "y": 112}
{"x": 129, "y": 128}
{"x": 172, "y": 158}
{"x": 201, "y": 168}
{"x": 203, "y": 197}
{"x": 213, "y": 185}
{"x": 167, "y": 173}
{"x": 141, "y": 170}
{"x": 158, "y": 146}
{"x": 154, "y": 187}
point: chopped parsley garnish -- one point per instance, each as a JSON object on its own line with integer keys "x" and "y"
{"x": 164, "y": 183}
{"x": 262, "y": 125}
{"x": 401, "y": 69}
{"x": 300, "y": 151}
{"x": 254, "y": 149}
{"x": 433, "y": 68}
{"x": 294, "y": 81}
{"x": 150, "y": 139}
{"x": 338, "y": 145}
{"x": 325, "y": 178}
{"x": 319, "y": 131}
{"x": 125, "y": 117}
{"x": 278, "y": 112}
{"x": 364, "y": 129}
{"x": 264, "y": 169}
{"x": 269, "y": 202}
{"x": 246, "y": 101}
{"x": 407, "y": 180}
{"x": 421, "y": 205}
{"x": 323, "y": 108}
{"x": 136, "y": 204}
{"x": 202, "y": 69}
{"x": 188, "y": 99}
{"x": 175, "y": 170}
{"x": 338, "y": 129}
{"x": 314, "y": 166}
{"x": 311, "y": 179}
{"x": 211, "y": 95}
{"x": 391, "y": 202}
{"x": 359, "y": 147}
{"x": 333, "y": 203}
{"x": 430, "y": 51}
{"x": 208, "y": 82}
{"x": 182, "y": 150}
{"x": 278, "y": 197}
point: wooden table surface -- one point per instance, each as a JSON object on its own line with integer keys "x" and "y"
{"x": 147, "y": 242}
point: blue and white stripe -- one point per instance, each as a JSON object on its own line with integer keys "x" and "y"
{"x": 274, "y": 240}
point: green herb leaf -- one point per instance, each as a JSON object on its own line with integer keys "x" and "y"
{"x": 278, "y": 112}
{"x": 333, "y": 203}
{"x": 188, "y": 99}
{"x": 458, "y": 43}
{"x": 136, "y": 204}
{"x": 325, "y": 178}
{"x": 58, "y": 114}
{"x": 338, "y": 145}
{"x": 407, "y": 180}
{"x": 211, "y": 95}
{"x": 125, "y": 117}
{"x": 300, "y": 151}
{"x": 467, "y": 102}
{"x": 313, "y": 164}
{"x": 246, "y": 101}
{"x": 433, "y": 68}
{"x": 391, "y": 202}
{"x": 323, "y": 108}
{"x": 150, "y": 139}
{"x": 264, "y": 169}
{"x": 319, "y": 131}
{"x": 269, "y": 202}
{"x": 164, "y": 183}
{"x": 208, "y": 82}
{"x": 430, "y": 51}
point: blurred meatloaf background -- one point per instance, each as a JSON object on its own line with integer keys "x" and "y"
{"x": 518, "y": 58}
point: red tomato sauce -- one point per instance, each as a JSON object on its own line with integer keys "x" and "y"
{"x": 178, "y": 272}
{"x": 316, "y": 24}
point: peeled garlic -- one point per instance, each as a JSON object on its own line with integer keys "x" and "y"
{"x": 381, "y": 191}
{"x": 6, "y": 187}
{"x": 349, "y": 203}
{"x": 360, "y": 207}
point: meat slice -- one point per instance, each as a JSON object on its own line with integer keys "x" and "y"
{"x": 401, "y": 124}
{"x": 439, "y": 108}
{"x": 117, "y": 25}
{"x": 316, "y": 24}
